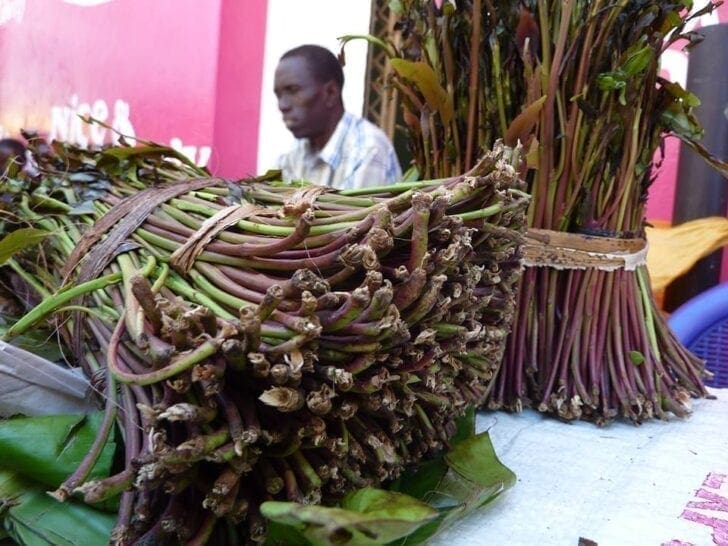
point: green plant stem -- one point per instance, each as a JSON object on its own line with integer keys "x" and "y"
{"x": 52, "y": 303}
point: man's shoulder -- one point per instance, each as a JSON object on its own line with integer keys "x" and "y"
{"x": 367, "y": 132}
{"x": 364, "y": 124}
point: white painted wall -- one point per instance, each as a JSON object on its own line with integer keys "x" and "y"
{"x": 295, "y": 22}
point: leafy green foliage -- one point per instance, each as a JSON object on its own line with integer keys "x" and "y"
{"x": 48, "y": 449}
{"x": 416, "y": 507}
{"x": 423, "y": 76}
{"x": 38, "y": 452}
{"x": 19, "y": 240}
{"x": 33, "y": 518}
{"x": 367, "y": 516}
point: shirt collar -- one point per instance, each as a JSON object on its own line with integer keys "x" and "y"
{"x": 331, "y": 152}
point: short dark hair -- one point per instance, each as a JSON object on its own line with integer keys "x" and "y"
{"x": 9, "y": 147}
{"x": 323, "y": 64}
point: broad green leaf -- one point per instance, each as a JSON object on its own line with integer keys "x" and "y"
{"x": 49, "y": 449}
{"x": 426, "y": 81}
{"x": 476, "y": 460}
{"x": 270, "y": 175}
{"x": 377, "y": 503}
{"x": 468, "y": 477}
{"x": 465, "y": 427}
{"x": 19, "y": 240}
{"x": 423, "y": 481}
{"x": 683, "y": 124}
{"x": 33, "y": 518}
{"x": 279, "y": 534}
{"x": 368, "y": 516}
{"x": 637, "y": 60}
{"x": 474, "y": 477}
{"x": 112, "y": 158}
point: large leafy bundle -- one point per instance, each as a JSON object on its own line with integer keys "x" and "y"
{"x": 257, "y": 340}
{"x": 577, "y": 82}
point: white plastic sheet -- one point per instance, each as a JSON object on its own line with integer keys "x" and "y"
{"x": 661, "y": 483}
{"x": 31, "y": 385}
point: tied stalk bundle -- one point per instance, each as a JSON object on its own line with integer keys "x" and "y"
{"x": 577, "y": 83}
{"x": 264, "y": 341}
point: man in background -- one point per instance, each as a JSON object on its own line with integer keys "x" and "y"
{"x": 333, "y": 147}
{"x": 12, "y": 157}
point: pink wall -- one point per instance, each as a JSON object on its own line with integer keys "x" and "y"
{"x": 178, "y": 72}
{"x": 662, "y": 193}
{"x": 239, "y": 80}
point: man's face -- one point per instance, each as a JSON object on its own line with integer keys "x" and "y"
{"x": 306, "y": 104}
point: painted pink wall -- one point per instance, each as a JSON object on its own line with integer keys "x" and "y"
{"x": 179, "y": 72}
{"x": 662, "y": 193}
{"x": 239, "y": 81}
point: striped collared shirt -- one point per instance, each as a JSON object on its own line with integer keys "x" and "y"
{"x": 357, "y": 155}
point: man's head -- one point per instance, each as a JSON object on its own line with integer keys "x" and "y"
{"x": 308, "y": 84}
{"x": 12, "y": 156}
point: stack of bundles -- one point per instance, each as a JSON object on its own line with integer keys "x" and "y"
{"x": 577, "y": 82}
{"x": 267, "y": 341}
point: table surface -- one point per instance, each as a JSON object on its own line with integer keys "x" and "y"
{"x": 660, "y": 483}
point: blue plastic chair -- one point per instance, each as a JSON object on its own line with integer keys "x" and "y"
{"x": 701, "y": 324}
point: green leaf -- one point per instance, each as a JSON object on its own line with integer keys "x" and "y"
{"x": 681, "y": 122}
{"x": 475, "y": 459}
{"x": 87, "y": 207}
{"x": 715, "y": 162}
{"x": 279, "y": 534}
{"x": 40, "y": 342}
{"x": 19, "y": 240}
{"x": 411, "y": 175}
{"x": 396, "y": 7}
{"x": 426, "y": 81}
{"x": 677, "y": 91}
{"x": 112, "y": 158}
{"x": 611, "y": 81}
{"x": 33, "y": 518}
{"x": 269, "y": 175}
{"x": 49, "y": 449}
{"x": 636, "y": 358}
{"x": 418, "y": 505}
{"x": 637, "y": 60}
{"x": 469, "y": 477}
{"x": 373, "y": 40}
{"x": 367, "y": 516}
{"x": 465, "y": 427}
